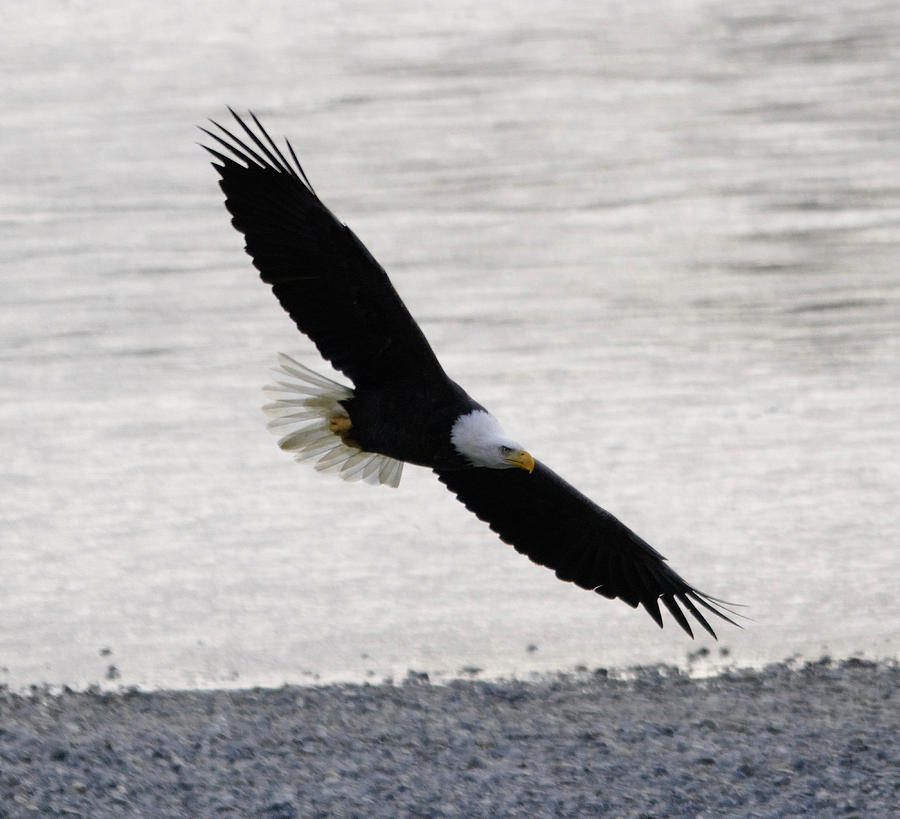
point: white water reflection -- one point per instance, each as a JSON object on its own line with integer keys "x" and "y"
{"x": 661, "y": 244}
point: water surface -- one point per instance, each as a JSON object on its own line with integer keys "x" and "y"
{"x": 660, "y": 242}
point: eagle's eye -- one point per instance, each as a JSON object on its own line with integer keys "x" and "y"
{"x": 506, "y": 451}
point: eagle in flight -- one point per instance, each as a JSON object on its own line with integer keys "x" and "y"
{"x": 402, "y": 407}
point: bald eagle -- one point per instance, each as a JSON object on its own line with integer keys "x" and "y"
{"x": 403, "y": 408}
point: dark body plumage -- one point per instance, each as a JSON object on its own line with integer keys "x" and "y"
{"x": 404, "y": 405}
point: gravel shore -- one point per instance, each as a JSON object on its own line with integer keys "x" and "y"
{"x": 821, "y": 739}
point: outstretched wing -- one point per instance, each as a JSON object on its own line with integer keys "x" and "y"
{"x": 551, "y": 522}
{"x": 324, "y": 277}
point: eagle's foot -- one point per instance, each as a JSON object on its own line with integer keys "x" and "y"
{"x": 339, "y": 424}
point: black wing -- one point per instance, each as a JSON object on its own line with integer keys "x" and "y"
{"x": 545, "y": 518}
{"x": 324, "y": 277}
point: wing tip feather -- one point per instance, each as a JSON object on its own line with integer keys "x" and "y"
{"x": 266, "y": 155}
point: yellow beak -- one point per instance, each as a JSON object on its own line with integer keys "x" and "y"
{"x": 521, "y": 459}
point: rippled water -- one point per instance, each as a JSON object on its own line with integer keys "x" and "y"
{"x": 659, "y": 240}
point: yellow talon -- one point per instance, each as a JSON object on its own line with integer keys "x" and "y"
{"x": 339, "y": 424}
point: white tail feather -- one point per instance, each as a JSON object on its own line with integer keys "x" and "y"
{"x": 303, "y": 426}
{"x": 333, "y": 458}
{"x": 315, "y": 452}
{"x": 292, "y": 418}
{"x": 371, "y": 469}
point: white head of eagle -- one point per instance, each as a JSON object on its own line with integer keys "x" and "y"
{"x": 480, "y": 439}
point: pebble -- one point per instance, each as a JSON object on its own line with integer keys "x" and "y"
{"x": 780, "y": 741}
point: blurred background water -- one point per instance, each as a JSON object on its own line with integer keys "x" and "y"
{"x": 659, "y": 240}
